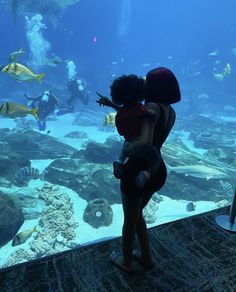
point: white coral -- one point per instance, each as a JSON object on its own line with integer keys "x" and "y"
{"x": 150, "y": 212}
{"x": 57, "y": 222}
{"x": 18, "y": 256}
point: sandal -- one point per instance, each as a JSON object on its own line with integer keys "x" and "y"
{"x": 137, "y": 257}
{"x": 114, "y": 260}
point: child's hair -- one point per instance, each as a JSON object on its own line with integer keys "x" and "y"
{"x": 128, "y": 89}
{"x": 162, "y": 86}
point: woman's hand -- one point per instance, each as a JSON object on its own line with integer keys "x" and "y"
{"x": 103, "y": 100}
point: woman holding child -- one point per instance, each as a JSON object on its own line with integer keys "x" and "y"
{"x": 141, "y": 169}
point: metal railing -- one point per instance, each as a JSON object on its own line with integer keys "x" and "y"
{"x": 228, "y": 221}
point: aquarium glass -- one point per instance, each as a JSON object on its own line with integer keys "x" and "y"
{"x": 57, "y": 145}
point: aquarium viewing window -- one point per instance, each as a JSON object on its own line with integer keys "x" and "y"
{"x": 57, "y": 145}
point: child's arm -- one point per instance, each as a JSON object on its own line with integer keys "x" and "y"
{"x": 103, "y": 100}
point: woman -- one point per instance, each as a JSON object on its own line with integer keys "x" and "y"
{"x": 162, "y": 90}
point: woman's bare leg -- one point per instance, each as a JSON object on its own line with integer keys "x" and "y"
{"x": 142, "y": 235}
{"x": 131, "y": 209}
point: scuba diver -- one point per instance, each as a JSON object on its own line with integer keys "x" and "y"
{"x": 46, "y": 104}
{"x": 77, "y": 91}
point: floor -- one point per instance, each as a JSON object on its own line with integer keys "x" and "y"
{"x": 192, "y": 254}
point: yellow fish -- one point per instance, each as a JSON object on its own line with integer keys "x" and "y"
{"x": 110, "y": 119}
{"x": 15, "y": 55}
{"x": 23, "y": 236}
{"x": 14, "y": 110}
{"x": 21, "y": 72}
{"x": 227, "y": 69}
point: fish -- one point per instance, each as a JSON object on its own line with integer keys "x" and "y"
{"x": 14, "y": 110}
{"x": 15, "y": 55}
{"x": 227, "y": 188}
{"x": 227, "y": 69}
{"x": 23, "y": 236}
{"x": 21, "y": 72}
{"x": 145, "y": 65}
{"x": 94, "y": 39}
{"x": 203, "y": 96}
{"x": 219, "y": 76}
{"x": 197, "y": 73}
{"x": 25, "y": 174}
{"x": 110, "y": 119}
{"x": 213, "y": 54}
{"x": 198, "y": 170}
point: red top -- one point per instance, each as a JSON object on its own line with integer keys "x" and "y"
{"x": 129, "y": 121}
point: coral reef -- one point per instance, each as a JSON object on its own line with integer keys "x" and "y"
{"x": 223, "y": 203}
{"x": 56, "y": 227}
{"x": 150, "y": 212}
{"x": 98, "y": 213}
{"x": 57, "y": 222}
{"x": 18, "y": 256}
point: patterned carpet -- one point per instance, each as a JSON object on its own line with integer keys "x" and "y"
{"x": 192, "y": 254}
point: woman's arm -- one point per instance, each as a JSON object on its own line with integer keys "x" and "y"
{"x": 149, "y": 123}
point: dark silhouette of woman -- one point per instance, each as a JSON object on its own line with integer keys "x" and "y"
{"x": 162, "y": 90}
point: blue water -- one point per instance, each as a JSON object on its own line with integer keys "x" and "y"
{"x": 137, "y": 33}
{"x": 105, "y": 39}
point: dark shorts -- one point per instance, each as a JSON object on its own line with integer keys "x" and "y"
{"x": 156, "y": 182}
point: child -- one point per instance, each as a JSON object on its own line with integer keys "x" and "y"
{"x": 127, "y": 94}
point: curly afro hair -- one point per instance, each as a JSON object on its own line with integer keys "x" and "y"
{"x": 128, "y": 89}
